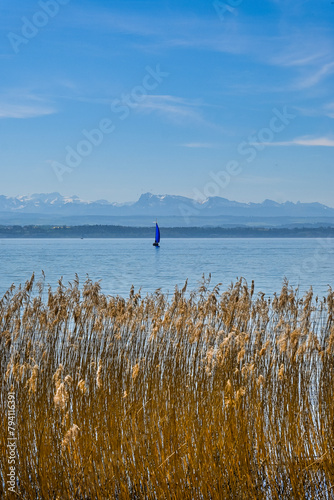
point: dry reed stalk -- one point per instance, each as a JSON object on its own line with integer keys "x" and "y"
{"x": 200, "y": 396}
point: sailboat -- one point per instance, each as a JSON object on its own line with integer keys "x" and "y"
{"x": 157, "y": 235}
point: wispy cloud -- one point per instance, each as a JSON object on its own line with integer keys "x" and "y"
{"x": 174, "y": 108}
{"x": 179, "y": 111}
{"x": 315, "y": 78}
{"x": 305, "y": 141}
{"x": 199, "y": 145}
{"x": 22, "y": 111}
{"x": 297, "y": 58}
{"x": 298, "y": 49}
{"x": 329, "y": 110}
{"x": 155, "y": 32}
{"x": 21, "y": 103}
{"x": 306, "y": 55}
{"x": 326, "y": 109}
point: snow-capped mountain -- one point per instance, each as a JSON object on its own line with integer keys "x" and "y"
{"x": 53, "y": 205}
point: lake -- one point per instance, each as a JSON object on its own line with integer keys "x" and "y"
{"x": 119, "y": 263}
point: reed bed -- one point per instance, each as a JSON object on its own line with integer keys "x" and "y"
{"x": 203, "y": 395}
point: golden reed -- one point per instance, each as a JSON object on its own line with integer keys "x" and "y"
{"x": 207, "y": 395}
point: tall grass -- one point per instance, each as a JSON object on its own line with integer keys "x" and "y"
{"x": 198, "y": 396}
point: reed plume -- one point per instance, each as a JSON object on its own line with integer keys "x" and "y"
{"x": 206, "y": 394}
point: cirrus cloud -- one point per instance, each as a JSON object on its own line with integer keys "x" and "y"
{"x": 305, "y": 141}
{"x": 23, "y": 111}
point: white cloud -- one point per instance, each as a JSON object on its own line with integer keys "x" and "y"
{"x": 175, "y": 108}
{"x": 297, "y": 57}
{"x": 22, "y": 111}
{"x": 199, "y": 145}
{"x": 178, "y": 110}
{"x": 316, "y": 77}
{"x": 305, "y": 141}
{"x": 309, "y": 52}
{"x": 21, "y": 103}
{"x": 329, "y": 110}
{"x": 323, "y": 110}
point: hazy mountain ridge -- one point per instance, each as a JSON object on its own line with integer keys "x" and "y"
{"x": 166, "y": 205}
{"x": 53, "y": 208}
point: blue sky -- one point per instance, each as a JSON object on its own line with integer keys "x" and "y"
{"x": 183, "y": 93}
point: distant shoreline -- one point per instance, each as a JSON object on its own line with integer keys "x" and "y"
{"x": 108, "y": 231}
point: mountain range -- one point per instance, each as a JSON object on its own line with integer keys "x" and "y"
{"x": 53, "y": 208}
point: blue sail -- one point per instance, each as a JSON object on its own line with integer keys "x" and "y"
{"x": 157, "y": 233}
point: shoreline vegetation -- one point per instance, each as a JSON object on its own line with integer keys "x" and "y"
{"x": 109, "y": 231}
{"x": 208, "y": 394}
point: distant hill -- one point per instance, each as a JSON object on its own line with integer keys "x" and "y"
{"x": 108, "y": 231}
{"x": 54, "y": 208}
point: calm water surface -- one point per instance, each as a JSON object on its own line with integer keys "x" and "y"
{"x": 119, "y": 263}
